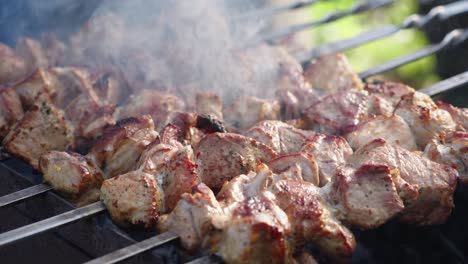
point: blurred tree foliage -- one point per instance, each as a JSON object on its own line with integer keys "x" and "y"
{"x": 417, "y": 74}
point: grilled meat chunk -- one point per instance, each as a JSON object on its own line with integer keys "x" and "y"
{"x": 459, "y": 115}
{"x": 222, "y": 156}
{"x": 207, "y": 103}
{"x": 366, "y": 196}
{"x": 12, "y": 67}
{"x": 312, "y": 220}
{"x": 159, "y": 105}
{"x": 391, "y": 128}
{"x": 425, "y": 119}
{"x": 450, "y": 149}
{"x": 67, "y": 83}
{"x": 329, "y": 152}
{"x": 119, "y": 148}
{"x": 301, "y": 167}
{"x": 73, "y": 175}
{"x": 134, "y": 198}
{"x": 338, "y": 113}
{"x": 255, "y": 233}
{"x": 108, "y": 88}
{"x": 389, "y": 93}
{"x": 248, "y": 110}
{"x": 32, "y": 52}
{"x": 10, "y": 110}
{"x": 28, "y": 89}
{"x": 54, "y": 49}
{"x": 332, "y": 73}
{"x": 425, "y": 187}
{"x": 193, "y": 217}
{"x": 173, "y": 167}
{"x": 42, "y": 128}
{"x": 281, "y": 137}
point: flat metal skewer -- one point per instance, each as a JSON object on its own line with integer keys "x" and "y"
{"x": 50, "y": 223}
{"x": 453, "y": 38}
{"x": 24, "y": 194}
{"x": 447, "y": 84}
{"x": 436, "y": 15}
{"x": 355, "y": 9}
{"x": 271, "y": 11}
{"x": 134, "y": 249}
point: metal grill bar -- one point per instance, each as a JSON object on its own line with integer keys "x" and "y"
{"x": 453, "y": 38}
{"x": 436, "y": 15}
{"x": 50, "y": 223}
{"x": 134, "y": 249}
{"x": 24, "y": 194}
{"x": 447, "y": 84}
{"x": 355, "y": 9}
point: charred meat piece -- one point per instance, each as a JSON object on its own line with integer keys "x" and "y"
{"x": 32, "y": 52}
{"x": 450, "y": 149}
{"x": 281, "y": 137}
{"x": 391, "y": 128}
{"x": 11, "y": 110}
{"x": 338, "y": 113}
{"x": 248, "y": 110}
{"x": 222, "y": 156}
{"x": 329, "y": 152}
{"x": 119, "y": 148}
{"x": 73, "y": 175}
{"x": 28, "y": 89}
{"x": 426, "y": 187}
{"x": 332, "y": 73}
{"x": 301, "y": 166}
{"x": 193, "y": 217}
{"x": 207, "y": 103}
{"x": 12, "y": 67}
{"x": 256, "y": 232}
{"x": 174, "y": 169}
{"x": 425, "y": 119}
{"x": 42, "y": 128}
{"x": 312, "y": 220}
{"x": 159, "y": 105}
{"x": 459, "y": 115}
{"x": 366, "y": 196}
{"x": 133, "y": 198}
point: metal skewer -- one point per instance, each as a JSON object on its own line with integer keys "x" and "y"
{"x": 24, "y": 194}
{"x": 453, "y": 38}
{"x": 447, "y": 84}
{"x": 437, "y": 14}
{"x": 355, "y": 9}
{"x": 271, "y": 11}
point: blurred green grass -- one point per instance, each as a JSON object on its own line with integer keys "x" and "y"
{"x": 417, "y": 74}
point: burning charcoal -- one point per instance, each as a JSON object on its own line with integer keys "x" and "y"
{"x": 222, "y": 156}
{"x": 332, "y": 73}
{"x": 383, "y": 127}
{"x": 42, "y": 128}
{"x": 209, "y": 104}
{"x": 450, "y": 149}
{"x": 73, "y": 175}
{"x": 281, "y": 137}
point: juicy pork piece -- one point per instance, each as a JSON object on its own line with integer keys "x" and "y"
{"x": 12, "y": 67}
{"x": 256, "y": 232}
{"x": 299, "y": 167}
{"x": 68, "y": 83}
{"x": 391, "y": 128}
{"x": 425, "y": 119}
{"x": 11, "y": 110}
{"x": 329, "y": 152}
{"x": 159, "y": 105}
{"x": 108, "y": 88}
{"x": 450, "y": 149}
{"x": 207, "y": 103}
{"x": 42, "y": 128}
{"x": 338, "y": 113}
{"x": 222, "y": 156}
{"x": 247, "y": 111}
{"x": 459, "y": 115}
{"x": 28, "y": 89}
{"x": 74, "y": 176}
{"x": 366, "y": 197}
{"x": 193, "y": 217}
{"x": 32, "y": 52}
{"x": 386, "y": 96}
{"x": 312, "y": 220}
{"x": 134, "y": 198}
{"x": 332, "y": 73}
{"x": 426, "y": 187}
{"x": 119, "y": 148}
{"x": 281, "y": 137}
